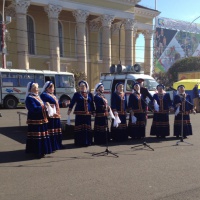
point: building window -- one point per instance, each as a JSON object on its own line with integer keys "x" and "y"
{"x": 31, "y": 35}
{"x": 60, "y": 33}
{"x": 100, "y": 44}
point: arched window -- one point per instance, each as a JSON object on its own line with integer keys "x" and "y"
{"x": 100, "y": 44}
{"x": 31, "y": 35}
{"x": 60, "y": 33}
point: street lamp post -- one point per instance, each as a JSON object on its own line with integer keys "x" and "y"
{"x": 3, "y": 43}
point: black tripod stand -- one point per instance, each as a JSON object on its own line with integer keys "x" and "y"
{"x": 181, "y": 140}
{"x": 144, "y": 144}
{"x": 107, "y": 151}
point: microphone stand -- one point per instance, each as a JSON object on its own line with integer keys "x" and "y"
{"x": 144, "y": 143}
{"x": 183, "y": 99}
{"x": 181, "y": 140}
{"x": 107, "y": 151}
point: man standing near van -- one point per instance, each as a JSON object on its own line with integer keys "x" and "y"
{"x": 196, "y": 97}
{"x": 144, "y": 91}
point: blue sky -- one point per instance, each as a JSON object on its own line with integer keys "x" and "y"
{"x": 185, "y": 10}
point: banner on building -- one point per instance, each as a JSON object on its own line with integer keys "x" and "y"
{"x": 174, "y": 40}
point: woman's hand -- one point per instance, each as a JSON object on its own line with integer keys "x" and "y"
{"x": 55, "y": 115}
{"x": 193, "y": 111}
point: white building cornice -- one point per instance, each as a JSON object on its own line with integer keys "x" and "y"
{"x": 142, "y": 26}
{"x": 142, "y": 12}
{"x": 94, "y": 10}
{"x": 126, "y": 2}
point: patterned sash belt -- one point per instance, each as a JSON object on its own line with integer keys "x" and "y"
{"x": 82, "y": 113}
{"x": 105, "y": 114}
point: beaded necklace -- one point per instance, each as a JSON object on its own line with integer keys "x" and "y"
{"x": 122, "y": 95}
{"x": 160, "y": 96}
{"x": 37, "y": 97}
{"x": 137, "y": 94}
{"x": 103, "y": 97}
{"x": 84, "y": 95}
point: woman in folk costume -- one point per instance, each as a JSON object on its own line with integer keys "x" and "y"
{"x": 162, "y": 105}
{"x": 54, "y": 125}
{"x": 182, "y": 104}
{"x": 83, "y": 110}
{"x": 137, "y": 107}
{"x": 119, "y": 107}
{"x": 38, "y": 141}
{"x": 101, "y": 131}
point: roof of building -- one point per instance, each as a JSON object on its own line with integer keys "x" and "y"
{"x": 140, "y": 6}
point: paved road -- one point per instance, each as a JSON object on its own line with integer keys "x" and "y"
{"x": 170, "y": 172}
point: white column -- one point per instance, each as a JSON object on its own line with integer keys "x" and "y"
{"x": 53, "y": 12}
{"x": 147, "y": 54}
{"x": 106, "y": 21}
{"x": 135, "y": 36}
{"x": 129, "y": 28}
{"x": 81, "y": 17}
{"x": 21, "y": 7}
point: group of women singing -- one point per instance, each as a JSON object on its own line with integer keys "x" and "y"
{"x": 87, "y": 105}
{"x": 44, "y": 131}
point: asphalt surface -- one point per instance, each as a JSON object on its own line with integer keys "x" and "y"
{"x": 170, "y": 172}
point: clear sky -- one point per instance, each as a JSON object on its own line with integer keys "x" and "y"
{"x": 185, "y": 10}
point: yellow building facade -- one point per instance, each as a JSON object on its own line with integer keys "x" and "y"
{"x": 83, "y": 35}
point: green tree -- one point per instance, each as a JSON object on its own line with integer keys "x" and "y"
{"x": 162, "y": 78}
{"x": 190, "y": 64}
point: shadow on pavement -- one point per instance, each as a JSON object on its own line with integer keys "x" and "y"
{"x": 17, "y": 133}
{"x": 15, "y": 156}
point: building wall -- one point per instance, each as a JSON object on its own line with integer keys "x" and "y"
{"x": 69, "y": 61}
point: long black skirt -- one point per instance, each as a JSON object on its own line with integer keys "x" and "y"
{"x": 187, "y": 127}
{"x": 38, "y": 141}
{"x": 137, "y": 130}
{"x": 160, "y": 125}
{"x": 101, "y": 132}
{"x": 119, "y": 134}
{"x": 82, "y": 130}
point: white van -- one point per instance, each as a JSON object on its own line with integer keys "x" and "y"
{"x": 109, "y": 81}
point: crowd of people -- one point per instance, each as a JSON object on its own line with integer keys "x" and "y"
{"x": 44, "y": 128}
